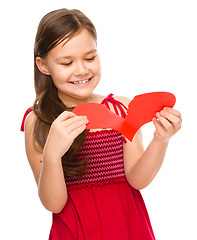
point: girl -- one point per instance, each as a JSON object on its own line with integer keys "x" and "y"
{"x": 89, "y": 180}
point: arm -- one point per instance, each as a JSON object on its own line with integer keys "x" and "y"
{"x": 47, "y": 166}
{"x": 142, "y": 167}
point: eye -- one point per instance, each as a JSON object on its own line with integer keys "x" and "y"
{"x": 66, "y": 64}
{"x": 90, "y": 59}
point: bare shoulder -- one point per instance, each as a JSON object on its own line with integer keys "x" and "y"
{"x": 97, "y": 98}
{"x": 33, "y": 155}
{"x": 124, "y": 100}
{"x": 30, "y": 121}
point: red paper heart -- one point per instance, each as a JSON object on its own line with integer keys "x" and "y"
{"x": 141, "y": 110}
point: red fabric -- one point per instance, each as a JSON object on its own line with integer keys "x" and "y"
{"x": 115, "y": 104}
{"x": 111, "y": 212}
{"x": 105, "y": 160}
{"x": 102, "y": 205}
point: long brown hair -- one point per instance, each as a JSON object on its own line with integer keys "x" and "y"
{"x": 54, "y": 28}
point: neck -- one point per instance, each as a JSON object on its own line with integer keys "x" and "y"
{"x": 72, "y": 101}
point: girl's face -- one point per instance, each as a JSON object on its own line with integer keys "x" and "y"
{"x": 74, "y": 67}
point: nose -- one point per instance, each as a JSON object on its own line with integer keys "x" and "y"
{"x": 80, "y": 69}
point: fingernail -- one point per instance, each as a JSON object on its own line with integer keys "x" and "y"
{"x": 157, "y": 114}
{"x": 86, "y": 121}
{"x": 166, "y": 108}
{"x": 163, "y": 112}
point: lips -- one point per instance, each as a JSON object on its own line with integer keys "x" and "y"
{"x": 81, "y": 81}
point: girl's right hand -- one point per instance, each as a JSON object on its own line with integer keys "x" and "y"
{"x": 63, "y": 132}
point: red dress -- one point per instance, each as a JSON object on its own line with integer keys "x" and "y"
{"x": 102, "y": 205}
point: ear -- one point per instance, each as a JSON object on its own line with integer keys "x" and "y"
{"x": 42, "y": 66}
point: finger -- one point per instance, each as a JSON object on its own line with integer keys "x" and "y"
{"x": 77, "y": 131}
{"x": 78, "y": 119}
{"x": 75, "y": 125}
{"x": 174, "y": 119}
{"x": 65, "y": 115}
{"x": 173, "y": 111}
{"x": 168, "y": 126}
{"x": 159, "y": 127}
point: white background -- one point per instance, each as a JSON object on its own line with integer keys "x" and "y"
{"x": 144, "y": 46}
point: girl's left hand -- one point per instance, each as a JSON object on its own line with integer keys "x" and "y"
{"x": 167, "y": 123}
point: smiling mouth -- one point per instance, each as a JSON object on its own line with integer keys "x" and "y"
{"x": 82, "y": 81}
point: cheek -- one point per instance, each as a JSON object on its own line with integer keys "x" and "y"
{"x": 60, "y": 75}
{"x": 97, "y": 68}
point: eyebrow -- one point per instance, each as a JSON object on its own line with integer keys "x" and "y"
{"x": 67, "y": 57}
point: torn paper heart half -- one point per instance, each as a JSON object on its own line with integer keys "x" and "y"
{"x": 140, "y": 111}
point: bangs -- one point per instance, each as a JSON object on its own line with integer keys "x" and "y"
{"x": 66, "y": 36}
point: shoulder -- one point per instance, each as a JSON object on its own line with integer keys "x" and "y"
{"x": 97, "y": 98}
{"x": 122, "y": 99}
{"x": 29, "y": 125}
{"x": 30, "y": 122}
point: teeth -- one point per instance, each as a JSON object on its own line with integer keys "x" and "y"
{"x": 80, "y": 82}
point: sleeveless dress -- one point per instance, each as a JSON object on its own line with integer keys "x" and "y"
{"x": 102, "y": 205}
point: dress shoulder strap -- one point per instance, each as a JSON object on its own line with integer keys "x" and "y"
{"x": 24, "y": 117}
{"x": 116, "y": 105}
